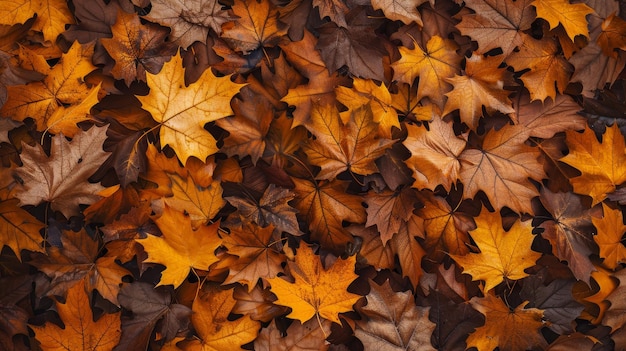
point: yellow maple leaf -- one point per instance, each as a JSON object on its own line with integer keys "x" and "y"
{"x": 502, "y": 254}
{"x": 602, "y": 164}
{"x": 182, "y": 111}
{"x": 180, "y": 248}
{"x": 52, "y": 15}
{"x": 571, "y": 16}
{"x": 316, "y": 291}
{"x": 19, "y": 230}
{"x": 610, "y": 228}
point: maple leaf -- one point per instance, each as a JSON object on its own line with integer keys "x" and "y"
{"x": 200, "y": 203}
{"x": 64, "y": 120}
{"x": 510, "y": 330}
{"x": 432, "y": 66}
{"x": 54, "y": 178}
{"x": 408, "y": 250}
{"x": 502, "y": 254}
{"x": 398, "y": 10}
{"x": 190, "y": 20}
{"x": 501, "y": 169}
{"x": 63, "y": 85}
{"x": 613, "y": 36}
{"x": 81, "y": 332}
{"x": 611, "y": 229}
{"x": 547, "y": 67}
{"x": 355, "y": 46}
{"x": 365, "y": 91}
{"x": 211, "y": 320}
{"x": 258, "y": 303}
{"x": 94, "y": 18}
{"x": 404, "y": 326}
{"x": 182, "y": 111}
{"x": 180, "y": 248}
{"x": 497, "y": 24}
{"x": 300, "y": 336}
{"x": 602, "y": 164}
{"x": 482, "y": 85}
{"x": 325, "y": 206}
{"x": 19, "y": 230}
{"x": 570, "y": 16}
{"x": 149, "y": 306}
{"x": 434, "y": 154}
{"x": 272, "y": 209}
{"x": 388, "y": 210}
{"x": 137, "y": 48}
{"x": 594, "y": 69}
{"x": 52, "y": 15}
{"x": 569, "y": 232}
{"x": 256, "y": 256}
{"x": 336, "y": 10}
{"x": 77, "y": 262}
{"x": 546, "y": 119}
{"x": 316, "y": 290}
{"x": 349, "y": 145}
{"x": 257, "y": 26}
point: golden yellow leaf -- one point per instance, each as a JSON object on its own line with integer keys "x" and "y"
{"x": 64, "y": 120}
{"x": 611, "y": 229}
{"x": 571, "y": 16}
{"x": 602, "y": 164}
{"x": 182, "y": 111}
{"x": 502, "y": 254}
{"x": 200, "y": 203}
{"x": 19, "y": 230}
{"x": 52, "y": 15}
{"x": 316, "y": 291}
{"x": 181, "y": 249}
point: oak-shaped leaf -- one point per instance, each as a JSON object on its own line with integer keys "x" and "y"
{"x": 609, "y": 238}
{"x": 182, "y": 111}
{"x": 516, "y": 330}
{"x": 570, "y": 16}
{"x": 503, "y": 254}
{"x": 339, "y": 146}
{"x": 325, "y": 206}
{"x": 316, "y": 291}
{"x": 502, "y": 168}
{"x": 152, "y": 308}
{"x": 80, "y": 331}
{"x": 257, "y": 26}
{"x": 20, "y": 230}
{"x": 271, "y": 209}
{"x": 434, "y": 154}
{"x": 257, "y": 252}
{"x": 555, "y": 300}
{"x": 137, "y": 48}
{"x": 216, "y": 331}
{"x": 77, "y": 262}
{"x": 497, "y": 24}
{"x": 190, "y": 20}
{"x": 602, "y": 164}
{"x": 54, "y": 178}
{"x": 569, "y": 232}
{"x": 300, "y": 336}
{"x": 392, "y": 321}
{"x": 433, "y": 65}
{"x": 180, "y": 249}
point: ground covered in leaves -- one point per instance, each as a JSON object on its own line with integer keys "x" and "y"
{"x": 312, "y": 175}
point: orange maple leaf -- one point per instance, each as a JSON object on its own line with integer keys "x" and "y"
{"x": 570, "y": 16}
{"x": 611, "y": 229}
{"x": 316, "y": 290}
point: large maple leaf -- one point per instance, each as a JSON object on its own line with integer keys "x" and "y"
{"x": 503, "y": 255}
{"x": 510, "y": 330}
{"x": 434, "y": 154}
{"x": 316, "y": 290}
{"x": 190, "y": 20}
{"x": 81, "y": 332}
{"x": 433, "y": 65}
{"x": 502, "y": 168}
{"x": 602, "y": 164}
{"x": 351, "y": 145}
{"x": 570, "y": 16}
{"x": 200, "y": 203}
{"x": 325, "y": 206}
{"x": 217, "y": 331}
{"x": 182, "y": 111}
{"x": 257, "y": 26}
{"x": 180, "y": 248}
{"x": 52, "y": 15}
{"x": 388, "y": 210}
{"x": 137, "y": 48}
{"x": 497, "y": 24}
{"x": 54, "y": 178}
{"x": 393, "y": 321}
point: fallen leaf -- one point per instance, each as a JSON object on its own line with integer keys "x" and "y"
{"x": 609, "y": 237}
{"x": 570, "y": 16}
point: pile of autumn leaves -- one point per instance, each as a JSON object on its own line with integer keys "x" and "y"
{"x": 203, "y": 175}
